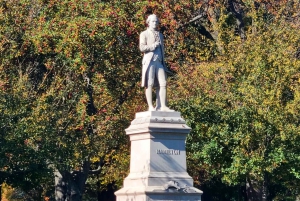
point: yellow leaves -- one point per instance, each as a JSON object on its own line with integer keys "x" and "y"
{"x": 254, "y": 87}
{"x": 109, "y": 44}
{"x": 1, "y": 12}
{"x": 177, "y": 7}
{"x": 6, "y": 192}
{"x": 95, "y": 159}
{"x": 206, "y": 80}
{"x": 82, "y": 104}
{"x": 117, "y": 165}
{"x": 86, "y": 141}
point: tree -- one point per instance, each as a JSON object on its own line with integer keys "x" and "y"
{"x": 69, "y": 74}
{"x": 71, "y": 70}
{"x": 243, "y": 104}
{"x": 67, "y": 81}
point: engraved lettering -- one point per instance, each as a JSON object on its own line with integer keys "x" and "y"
{"x": 168, "y": 151}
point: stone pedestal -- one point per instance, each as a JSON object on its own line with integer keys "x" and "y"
{"x": 158, "y": 159}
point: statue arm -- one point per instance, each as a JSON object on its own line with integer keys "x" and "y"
{"x": 144, "y": 47}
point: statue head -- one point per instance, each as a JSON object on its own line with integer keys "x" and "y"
{"x": 152, "y": 21}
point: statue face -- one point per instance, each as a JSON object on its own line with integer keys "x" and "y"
{"x": 153, "y": 23}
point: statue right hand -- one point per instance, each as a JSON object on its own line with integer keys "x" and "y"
{"x": 156, "y": 44}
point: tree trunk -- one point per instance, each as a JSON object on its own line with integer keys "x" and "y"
{"x": 69, "y": 186}
{"x": 106, "y": 195}
{"x": 256, "y": 191}
{"x": 237, "y": 11}
{"x": 60, "y": 187}
{"x": 253, "y": 190}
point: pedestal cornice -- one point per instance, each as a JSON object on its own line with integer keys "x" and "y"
{"x": 158, "y": 122}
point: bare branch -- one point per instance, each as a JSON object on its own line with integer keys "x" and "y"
{"x": 201, "y": 29}
{"x": 191, "y": 21}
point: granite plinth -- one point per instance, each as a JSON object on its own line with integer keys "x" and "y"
{"x": 157, "y": 158}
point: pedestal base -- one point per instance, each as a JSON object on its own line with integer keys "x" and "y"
{"x": 158, "y": 194}
{"x": 158, "y": 160}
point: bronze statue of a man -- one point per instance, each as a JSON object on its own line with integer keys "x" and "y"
{"x": 154, "y": 67}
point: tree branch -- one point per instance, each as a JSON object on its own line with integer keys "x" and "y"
{"x": 191, "y": 21}
{"x": 239, "y": 20}
{"x": 195, "y": 23}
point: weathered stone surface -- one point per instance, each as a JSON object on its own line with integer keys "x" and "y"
{"x": 158, "y": 159}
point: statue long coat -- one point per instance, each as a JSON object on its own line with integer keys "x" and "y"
{"x": 147, "y": 40}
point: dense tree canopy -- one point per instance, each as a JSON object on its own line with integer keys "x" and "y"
{"x": 64, "y": 83}
{"x": 69, "y": 86}
{"x": 243, "y": 105}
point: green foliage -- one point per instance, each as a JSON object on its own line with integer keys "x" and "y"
{"x": 243, "y": 107}
{"x": 69, "y": 85}
{"x": 68, "y": 70}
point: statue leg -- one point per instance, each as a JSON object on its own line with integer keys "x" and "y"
{"x": 158, "y": 105}
{"x": 148, "y": 91}
{"x": 163, "y": 96}
{"x": 163, "y": 99}
{"x": 162, "y": 89}
{"x": 149, "y": 98}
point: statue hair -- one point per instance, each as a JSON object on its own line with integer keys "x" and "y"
{"x": 151, "y": 16}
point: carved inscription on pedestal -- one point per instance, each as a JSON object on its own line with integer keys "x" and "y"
{"x": 168, "y": 151}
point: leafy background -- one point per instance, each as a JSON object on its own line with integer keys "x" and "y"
{"x": 70, "y": 85}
